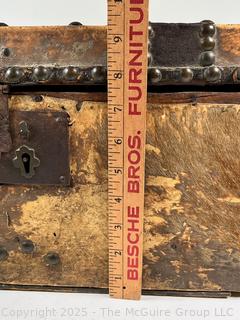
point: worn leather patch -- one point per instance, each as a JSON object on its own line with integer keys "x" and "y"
{"x": 5, "y": 137}
{"x": 176, "y": 44}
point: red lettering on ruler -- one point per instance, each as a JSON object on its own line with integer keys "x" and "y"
{"x": 133, "y": 242}
{"x": 134, "y": 159}
{"x": 135, "y": 62}
{"x": 135, "y": 142}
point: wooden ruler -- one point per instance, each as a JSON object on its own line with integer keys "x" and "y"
{"x": 127, "y": 98}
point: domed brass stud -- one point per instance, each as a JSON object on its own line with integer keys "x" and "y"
{"x": 150, "y": 31}
{"x": 3, "y": 254}
{"x": 154, "y": 75}
{"x": 99, "y": 74}
{"x": 149, "y": 44}
{"x": 62, "y": 179}
{"x": 207, "y": 58}
{"x": 70, "y": 73}
{"x": 14, "y": 74}
{"x": 75, "y": 23}
{"x": 27, "y": 246}
{"x": 212, "y": 74}
{"x": 150, "y": 59}
{"x": 41, "y": 73}
{"x": 186, "y": 75}
{"x": 208, "y": 43}
{"x": 6, "y": 52}
{"x": 52, "y": 259}
{"x": 238, "y": 74}
{"x": 208, "y": 28}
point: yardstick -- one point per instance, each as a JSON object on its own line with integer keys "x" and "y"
{"x": 127, "y": 98}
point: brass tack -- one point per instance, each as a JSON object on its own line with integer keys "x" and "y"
{"x": 75, "y": 23}
{"x": 41, "y": 73}
{"x": 154, "y": 75}
{"x": 27, "y": 246}
{"x": 99, "y": 74}
{"x": 150, "y": 31}
{"x": 208, "y": 43}
{"x": 150, "y": 59}
{"x": 208, "y": 28}
{"x": 14, "y": 74}
{"x": 70, "y": 73}
{"x": 212, "y": 74}
{"x": 3, "y": 254}
{"x": 186, "y": 75}
{"x": 52, "y": 259}
{"x": 6, "y": 52}
{"x": 62, "y": 179}
{"x": 238, "y": 74}
{"x": 207, "y": 58}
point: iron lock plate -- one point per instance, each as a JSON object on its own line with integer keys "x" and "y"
{"x": 39, "y": 154}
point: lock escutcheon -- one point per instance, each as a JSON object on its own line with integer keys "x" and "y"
{"x": 26, "y": 161}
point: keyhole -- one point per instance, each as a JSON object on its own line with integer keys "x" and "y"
{"x": 26, "y": 162}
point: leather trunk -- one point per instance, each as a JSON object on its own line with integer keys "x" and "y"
{"x": 53, "y": 166}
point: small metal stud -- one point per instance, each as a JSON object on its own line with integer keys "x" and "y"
{"x": 27, "y": 246}
{"x": 14, "y": 74}
{"x": 154, "y": 75}
{"x": 70, "y": 73}
{"x": 207, "y": 58}
{"x": 150, "y": 59}
{"x": 38, "y": 98}
{"x": 99, "y": 74}
{"x": 6, "y": 52}
{"x": 212, "y": 74}
{"x": 150, "y": 31}
{"x": 186, "y": 75}
{"x": 62, "y": 179}
{"x": 149, "y": 44}
{"x": 208, "y": 43}
{"x": 41, "y": 73}
{"x": 208, "y": 28}
{"x": 75, "y": 23}
{"x": 52, "y": 259}
{"x": 238, "y": 74}
{"x": 3, "y": 254}
{"x": 24, "y": 130}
